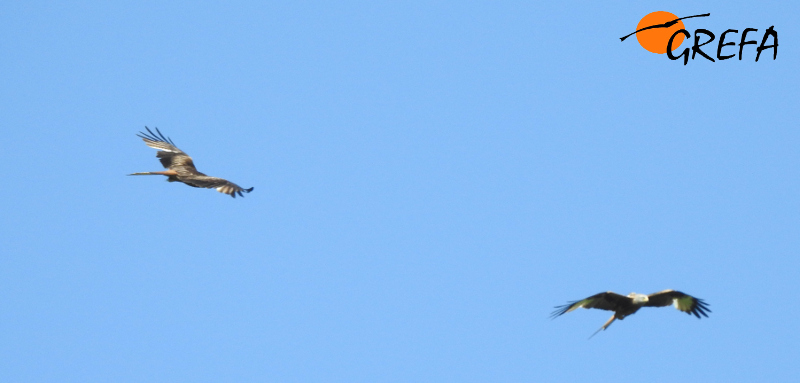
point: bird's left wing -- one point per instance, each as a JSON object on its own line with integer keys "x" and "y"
{"x": 603, "y": 301}
{"x": 681, "y": 301}
{"x": 159, "y": 141}
{"x": 222, "y": 185}
{"x": 168, "y": 154}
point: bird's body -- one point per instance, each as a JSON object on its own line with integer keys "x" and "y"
{"x": 181, "y": 167}
{"x": 623, "y": 306}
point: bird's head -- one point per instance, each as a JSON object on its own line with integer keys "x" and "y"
{"x": 638, "y": 298}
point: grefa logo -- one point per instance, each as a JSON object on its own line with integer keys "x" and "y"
{"x": 662, "y": 32}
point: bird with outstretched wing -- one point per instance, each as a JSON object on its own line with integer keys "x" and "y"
{"x": 181, "y": 168}
{"x": 623, "y": 306}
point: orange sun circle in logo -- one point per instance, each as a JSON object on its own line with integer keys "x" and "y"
{"x": 655, "y": 39}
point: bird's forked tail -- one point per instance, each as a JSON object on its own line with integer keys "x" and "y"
{"x": 605, "y": 326}
{"x": 163, "y": 173}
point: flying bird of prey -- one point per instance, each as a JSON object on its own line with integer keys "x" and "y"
{"x": 623, "y": 306}
{"x": 181, "y": 168}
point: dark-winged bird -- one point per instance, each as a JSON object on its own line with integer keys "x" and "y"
{"x": 623, "y": 306}
{"x": 181, "y": 168}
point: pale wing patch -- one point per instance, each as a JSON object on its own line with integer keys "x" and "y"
{"x": 582, "y": 303}
{"x": 226, "y": 189}
{"x": 158, "y": 141}
{"x": 683, "y": 304}
{"x": 162, "y": 146}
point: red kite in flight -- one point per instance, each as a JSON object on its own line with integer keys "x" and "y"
{"x": 181, "y": 168}
{"x": 623, "y": 306}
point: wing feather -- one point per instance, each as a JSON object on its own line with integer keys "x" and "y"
{"x": 683, "y": 302}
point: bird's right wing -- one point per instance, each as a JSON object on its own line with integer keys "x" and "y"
{"x": 681, "y": 301}
{"x": 604, "y": 301}
{"x": 222, "y": 185}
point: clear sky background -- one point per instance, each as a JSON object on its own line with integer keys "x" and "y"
{"x": 431, "y": 179}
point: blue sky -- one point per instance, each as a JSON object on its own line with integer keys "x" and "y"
{"x": 431, "y": 178}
